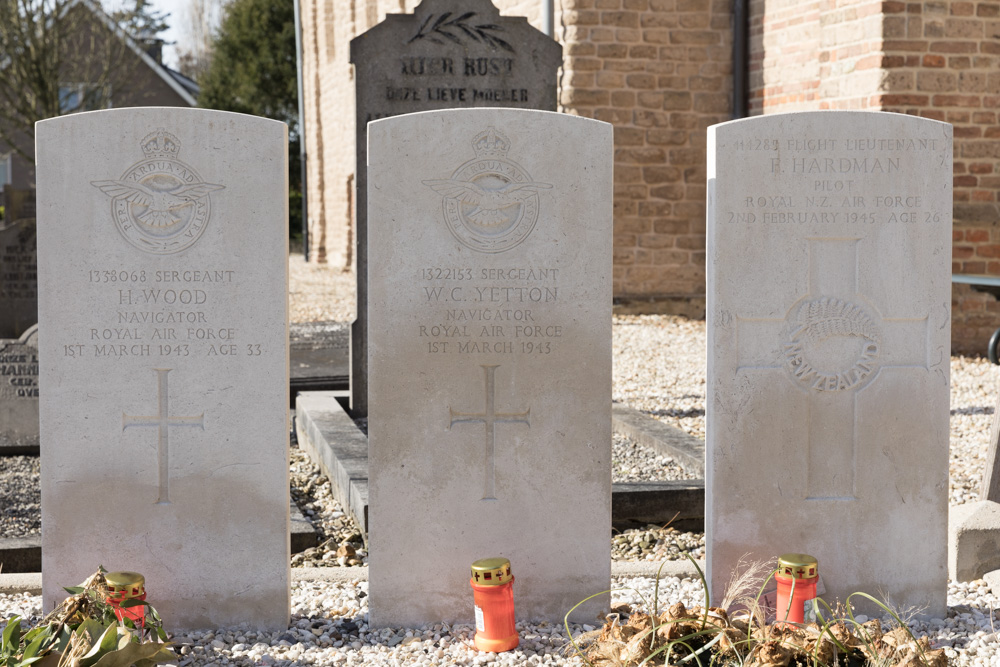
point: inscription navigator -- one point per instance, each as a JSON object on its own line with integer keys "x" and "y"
{"x": 831, "y": 346}
{"x": 449, "y": 54}
{"x": 829, "y": 310}
{"x": 490, "y": 422}
{"x": 491, "y": 203}
{"x": 163, "y": 421}
{"x": 160, "y": 205}
{"x": 490, "y": 417}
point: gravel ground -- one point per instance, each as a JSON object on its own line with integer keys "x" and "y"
{"x": 20, "y": 496}
{"x": 329, "y": 623}
{"x": 329, "y": 626}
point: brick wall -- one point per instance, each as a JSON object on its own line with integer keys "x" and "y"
{"x": 658, "y": 69}
{"x": 326, "y": 72}
{"x": 944, "y": 60}
{"x": 938, "y": 59}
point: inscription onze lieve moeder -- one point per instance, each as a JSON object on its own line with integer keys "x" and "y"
{"x": 160, "y": 205}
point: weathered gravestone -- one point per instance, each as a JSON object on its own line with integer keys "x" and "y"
{"x": 829, "y": 301}
{"x": 490, "y": 421}
{"x": 19, "y": 394}
{"x": 447, "y": 54}
{"x": 18, "y": 277}
{"x": 164, "y": 359}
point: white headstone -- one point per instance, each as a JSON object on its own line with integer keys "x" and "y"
{"x": 490, "y": 357}
{"x": 829, "y": 305}
{"x": 162, "y": 251}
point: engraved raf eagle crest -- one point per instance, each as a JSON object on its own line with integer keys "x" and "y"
{"x": 160, "y": 205}
{"x": 490, "y": 202}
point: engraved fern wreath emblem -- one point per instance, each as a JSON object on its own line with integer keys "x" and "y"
{"x": 832, "y": 345}
{"x": 444, "y": 27}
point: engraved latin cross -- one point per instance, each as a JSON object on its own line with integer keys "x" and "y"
{"x": 163, "y": 422}
{"x": 490, "y": 417}
{"x": 831, "y": 344}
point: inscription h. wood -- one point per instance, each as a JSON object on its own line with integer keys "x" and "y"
{"x": 832, "y": 344}
{"x": 163, "y": 422}
{"x": 490, "y": 417}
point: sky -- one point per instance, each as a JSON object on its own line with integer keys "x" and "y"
{"x": 176, "y": 8}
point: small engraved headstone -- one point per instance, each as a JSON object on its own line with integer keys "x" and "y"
{"x": 490, "y": 421}
{"x": 164, "y": 359}
{"x": 447, "y": 54}
{"x": 18, "y": 277}
{"x": 829, "y": 293}
{"x": 19, "y": 394}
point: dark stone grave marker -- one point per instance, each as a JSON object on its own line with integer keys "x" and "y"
{"x": 19, "y": 394}
{"x": 18, "y": 277}
{"x": 447, "y": 54}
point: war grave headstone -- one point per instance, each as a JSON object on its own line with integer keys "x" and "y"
{"x": 19, "y": 394}
{"x": 18, "y": 276}
{"x": 829, "y": 296}
{"x": 163, "y": 278}
{"x": 447, "y": 54}
{"x": 490, "y": 331}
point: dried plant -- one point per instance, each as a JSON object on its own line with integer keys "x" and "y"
{"x": 736, "y": 634}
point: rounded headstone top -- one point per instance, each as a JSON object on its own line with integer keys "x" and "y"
{"x": 30, "y": 336}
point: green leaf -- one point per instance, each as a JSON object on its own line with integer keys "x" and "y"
{"x": 91, "y": 629}
{"x": 107, "y": 643}
{"x": 12, "y": 633}
{"x": 62, "y": 641}
{"x": 74, "y": 590}
{"x": 149, "y": 653}
{"x": 32, "y": 649}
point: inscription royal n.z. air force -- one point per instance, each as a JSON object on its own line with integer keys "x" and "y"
{"x": 835, "y": 173}
{"x": 489, "y": 319}
{"x": 164, "y": 313}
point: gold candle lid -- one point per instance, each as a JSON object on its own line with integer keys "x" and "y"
{"x": 125, "y": 584}
{"x": 491, "y": 571}
{"x": 798, "y": 566}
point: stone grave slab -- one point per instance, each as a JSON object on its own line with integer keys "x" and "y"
{"x": 163, "y": 265}
{"x": 829, "y": 297}
{"x": 334, "y": 442}
{"x": 320, "y": 357}
{"x": 446, "y": 54}
{"x": 490, "y": 331}
{"x": 19, "y": 394}
{"x": 18, "y": 278}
